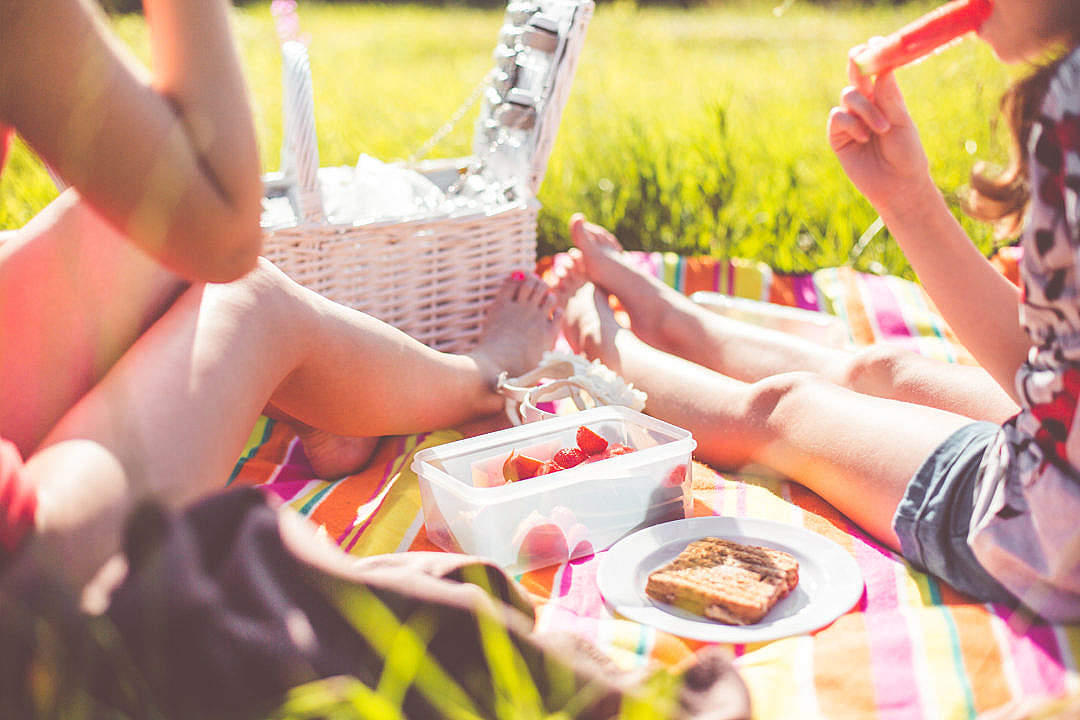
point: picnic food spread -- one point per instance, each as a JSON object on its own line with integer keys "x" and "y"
{"x": 590, "y": 447}
{"x": 921, "y": 37}
{"x": 723, "y": 580}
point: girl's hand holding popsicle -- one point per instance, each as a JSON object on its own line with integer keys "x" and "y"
{"x": 871, "y": 131}
{"x": 877, "y": 143}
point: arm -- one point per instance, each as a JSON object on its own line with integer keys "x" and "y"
{"x": 876, "y": 141}
{"x": 170, "y": 160}
{"x": 978, "y": 302}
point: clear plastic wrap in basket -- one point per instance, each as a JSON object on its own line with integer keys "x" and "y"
{"x": 432, "y": 275}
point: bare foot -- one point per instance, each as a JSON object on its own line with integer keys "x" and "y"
{"x": 661, "y": 316}
{"x": 335, "y": 456}
{"x": 522, "y": 322}
{"x": 590, "y": 326}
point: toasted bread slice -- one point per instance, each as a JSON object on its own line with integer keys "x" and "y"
{"x": 724, "y": 580}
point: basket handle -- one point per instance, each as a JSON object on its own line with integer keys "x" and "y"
{"x": 300, "y": 147}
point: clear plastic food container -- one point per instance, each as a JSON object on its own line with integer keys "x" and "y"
{"x": 562, "y": 515}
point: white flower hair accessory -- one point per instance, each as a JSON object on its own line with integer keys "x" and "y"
{"x": 563, "y": 375}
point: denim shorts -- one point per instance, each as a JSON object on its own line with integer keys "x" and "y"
{"x": 934, "y": 516}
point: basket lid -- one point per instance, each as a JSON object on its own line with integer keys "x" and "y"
{"x": 523, "y": 98}
{"x": 535, "y": 59}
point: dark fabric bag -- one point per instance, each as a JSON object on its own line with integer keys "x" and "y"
{"x": 221, "y": 613}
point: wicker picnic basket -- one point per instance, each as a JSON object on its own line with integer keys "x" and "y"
{"x": 431, "y": 277}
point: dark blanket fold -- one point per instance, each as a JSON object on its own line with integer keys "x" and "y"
{"x": 221, "y": 613}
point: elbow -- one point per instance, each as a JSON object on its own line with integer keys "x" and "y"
{"x": 219, "y": 252}
{"x": 236, "y": 259}
{"x": 237, "y": 256}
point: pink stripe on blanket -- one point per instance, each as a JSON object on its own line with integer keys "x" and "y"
{"x": 649, "y": 263}
{"x": 1037, "y": 659}
{"x": 577, "y": 589}
{"x": 886, "y": 312}
{"x": 289, "y": 490}
{"x": 293, "y": 474}
{"x": 892, "y": 671}
{"x": 806, "y": 296}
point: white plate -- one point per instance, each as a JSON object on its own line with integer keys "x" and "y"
{"x": 829, "y": 580}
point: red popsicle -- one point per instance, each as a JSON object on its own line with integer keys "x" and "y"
{"x": 921, "y": 37}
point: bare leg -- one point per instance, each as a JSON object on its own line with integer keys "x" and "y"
{"x": 331, "y": 456}
{"x": 856, "y": 451}
{"x": 170, "y": 418}
{"x": 74, "y": 296}
{"x": 669, "y": 321}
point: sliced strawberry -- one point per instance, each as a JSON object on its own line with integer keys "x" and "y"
{"x": 527, "y": 467}
{"x": 544, "y": 544}
{"x": 676, "y": 476}
{"x": 548, "y": 468}
{"x": 617, "y": 449}
{"x": 590, "y": 442}
{"x": 510, "y": 471}
{"x": 569, "y": 457}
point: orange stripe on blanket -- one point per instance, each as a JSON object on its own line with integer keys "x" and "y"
{"x": 822, "y": 517}
{"x": 782, "y": 290}
{"x": 673, "y": 651}
{"x": 1007, "y": 262}
{"x": 841, "y": 657}
{"x": 268, "y": 456}
{"x": 540, "y": 581}
{"x": 981, "y": 652}
{"x": 705, "y": 483}
{"x": 386, "y": 530}
{"x": 337, "y": 511}
{"x": 423, "y": 542}
{"x": 861, "y": 329}
{"x": 699, "y": 275}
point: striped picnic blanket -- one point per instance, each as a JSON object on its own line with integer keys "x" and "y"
{"x": 912, "y": 647}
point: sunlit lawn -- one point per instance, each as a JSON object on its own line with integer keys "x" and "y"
{"x": 698, "y": 131}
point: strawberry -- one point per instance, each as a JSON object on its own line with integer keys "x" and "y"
{"x": 569, "y": 457}
{"x": 590, "y": 442}
{"x": 544, "y": 544}
{"x": 521, "y": 467}
{"x": 527, "y": 467}
{"x": 676, "y": 476}
{"x": 617, "y": 449}
{"x": 509, "y": 470}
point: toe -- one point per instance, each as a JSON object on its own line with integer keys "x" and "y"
{"x": 577, "y": 230}
{"x": 605, "y": 237}
{"x": 549, "y": 301}
{"x": 531, "y": 290}
{"x": 507, "y": 292}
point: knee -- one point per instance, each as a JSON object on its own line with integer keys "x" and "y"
{"x": 264, "y": 290}
{"x": 773, "y": 399}
{"x": 876, "y": 370}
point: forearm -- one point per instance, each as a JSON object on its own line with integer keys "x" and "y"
{"x": 980, "y": 305}
{"x": 196, "y": 65}
{"x": 151, "y": 160}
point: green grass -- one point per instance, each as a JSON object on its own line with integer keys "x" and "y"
{"x": 698, "y": 131}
